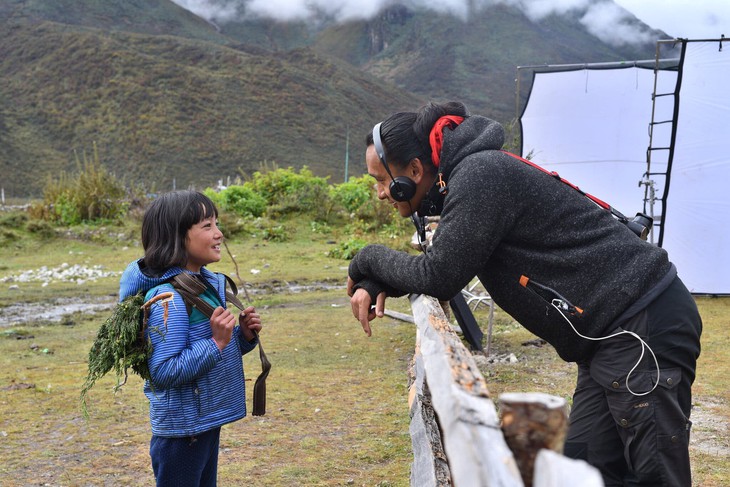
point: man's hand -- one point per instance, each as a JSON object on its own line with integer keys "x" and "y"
{"x": 362, "y": 308}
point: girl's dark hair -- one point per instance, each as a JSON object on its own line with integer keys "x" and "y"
{"x": 405, "y": 134}
{"x": 165, "y": 227}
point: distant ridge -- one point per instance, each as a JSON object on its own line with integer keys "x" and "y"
{"x": 167, "y": 96}
{"x": 164, "y": 108}
{"x": 441, "y": 56}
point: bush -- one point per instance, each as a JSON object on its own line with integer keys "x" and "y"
{"x": 287, "y": 191}
{"x": 40, "y": 228}
{"x": 347, "y": 249}
{"x": 269, "y": 230}
{"x": 232, "y": 225}
{"x": 92, "y": 195}
{"x": 319, "y": 227}
{"x": 13, "y": 219}
{"x": 241, "y": 200}
{"x": 8, "y": 236}
{"x": 275, "y": 193}
{"x": 353, "y": 194}
{"x": 365, "y": 211}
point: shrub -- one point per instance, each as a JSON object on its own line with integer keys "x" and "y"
{"x": 8, "y": 236}
{"x": 365, "y": 211}
{"x": 92, "y": 195}
{"x": 320, "y": 227}
{"x": 232, "y": 225}
{"x": 241, "y": 200}
{"x": 347, "y": 249}
{"x": 269, "y": 230}
{"x": 287, "y": 191}
{"x": 40, "y": 228}
{"x": 353, "y": 194}
{"x": 14, "y": 219}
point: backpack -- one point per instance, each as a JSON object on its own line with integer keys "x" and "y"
{"x": 121, "y": 342}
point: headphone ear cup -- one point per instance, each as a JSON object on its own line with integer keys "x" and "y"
{"x": 402, "y": 188}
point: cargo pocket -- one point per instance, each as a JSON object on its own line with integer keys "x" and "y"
{"x": 673, "y": 429}
{"x": 633, "y": 415}
{"x": 652, "y": 427}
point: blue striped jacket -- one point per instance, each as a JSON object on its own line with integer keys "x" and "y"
{"x": 195, "y": 387}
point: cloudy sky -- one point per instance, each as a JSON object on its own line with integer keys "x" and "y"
{"x": 693, "y": 19}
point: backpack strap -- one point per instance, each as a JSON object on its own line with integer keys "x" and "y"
{"x": 190, "y": 288}
{"x": 617, "y": 214}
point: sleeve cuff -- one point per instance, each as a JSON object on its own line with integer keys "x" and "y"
{"x": 217, "y": 353}
{"x": 246, "y": 346}
{"x": 374, "y": 288}
{"x": 354, "y": 271}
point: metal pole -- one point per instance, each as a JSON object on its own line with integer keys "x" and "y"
{"x": 347, "y": 153}
{"x": 517, "y": 96}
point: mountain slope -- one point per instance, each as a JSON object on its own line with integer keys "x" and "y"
{"x": 161, "y": 108}
{"x": 442, "y": 56}
{"x": 166, "y": 95}
{"x": 154, "y": 17}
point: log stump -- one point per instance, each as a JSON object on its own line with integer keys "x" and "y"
{"x": 531, "y": 422}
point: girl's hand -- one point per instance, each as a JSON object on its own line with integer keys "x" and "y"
{"x": 250, "y": 322}
{"x": 222, "y": 323}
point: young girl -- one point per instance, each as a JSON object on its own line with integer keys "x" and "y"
{"x": 196, "y": 366}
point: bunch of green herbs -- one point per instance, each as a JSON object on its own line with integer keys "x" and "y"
{"x": 120, "y": 345}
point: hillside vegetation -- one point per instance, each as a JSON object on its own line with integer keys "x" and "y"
{"x": 153, "y": 17}
{"x": 162, "y": 108}
{"x": 172, "y": 100}
{"x": 442, "y": 56}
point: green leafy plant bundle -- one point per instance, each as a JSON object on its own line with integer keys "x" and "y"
{"x": 119, "y": 345}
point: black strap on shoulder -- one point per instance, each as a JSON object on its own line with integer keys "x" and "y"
{"x": 190, "y": 288}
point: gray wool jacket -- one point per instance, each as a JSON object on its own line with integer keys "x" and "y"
{"x": 503, "y": 219}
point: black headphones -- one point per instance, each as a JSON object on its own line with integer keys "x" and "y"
{"x": 401, "y": 188}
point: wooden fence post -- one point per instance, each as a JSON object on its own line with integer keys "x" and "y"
{"x": 430, "y": 467}
{"x": 532, "y": 422}
{"x": 477, "y": 453}
{"x": 459, "y": 441}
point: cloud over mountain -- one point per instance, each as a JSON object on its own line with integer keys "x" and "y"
{"x": 603, "y": 18}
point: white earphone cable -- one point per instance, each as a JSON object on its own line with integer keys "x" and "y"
{"x": 558, "y": 304}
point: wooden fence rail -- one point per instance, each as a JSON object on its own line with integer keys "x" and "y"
{"x": 458, "y": 438}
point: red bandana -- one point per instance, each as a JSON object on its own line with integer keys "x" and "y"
{"x": 436, "y": 138}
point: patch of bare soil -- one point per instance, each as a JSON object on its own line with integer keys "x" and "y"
{"x": 710, "y": 431}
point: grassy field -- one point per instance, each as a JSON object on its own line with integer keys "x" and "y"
{"x": 337, "y": 401}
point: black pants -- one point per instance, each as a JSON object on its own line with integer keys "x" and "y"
{"x": 635, "y": 437}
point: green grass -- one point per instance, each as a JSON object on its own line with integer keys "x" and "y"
{"x": 336, "y": 410}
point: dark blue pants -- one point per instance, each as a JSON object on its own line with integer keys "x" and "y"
{"x": 186, "y": 462}
{"x": 638, "y": 439}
